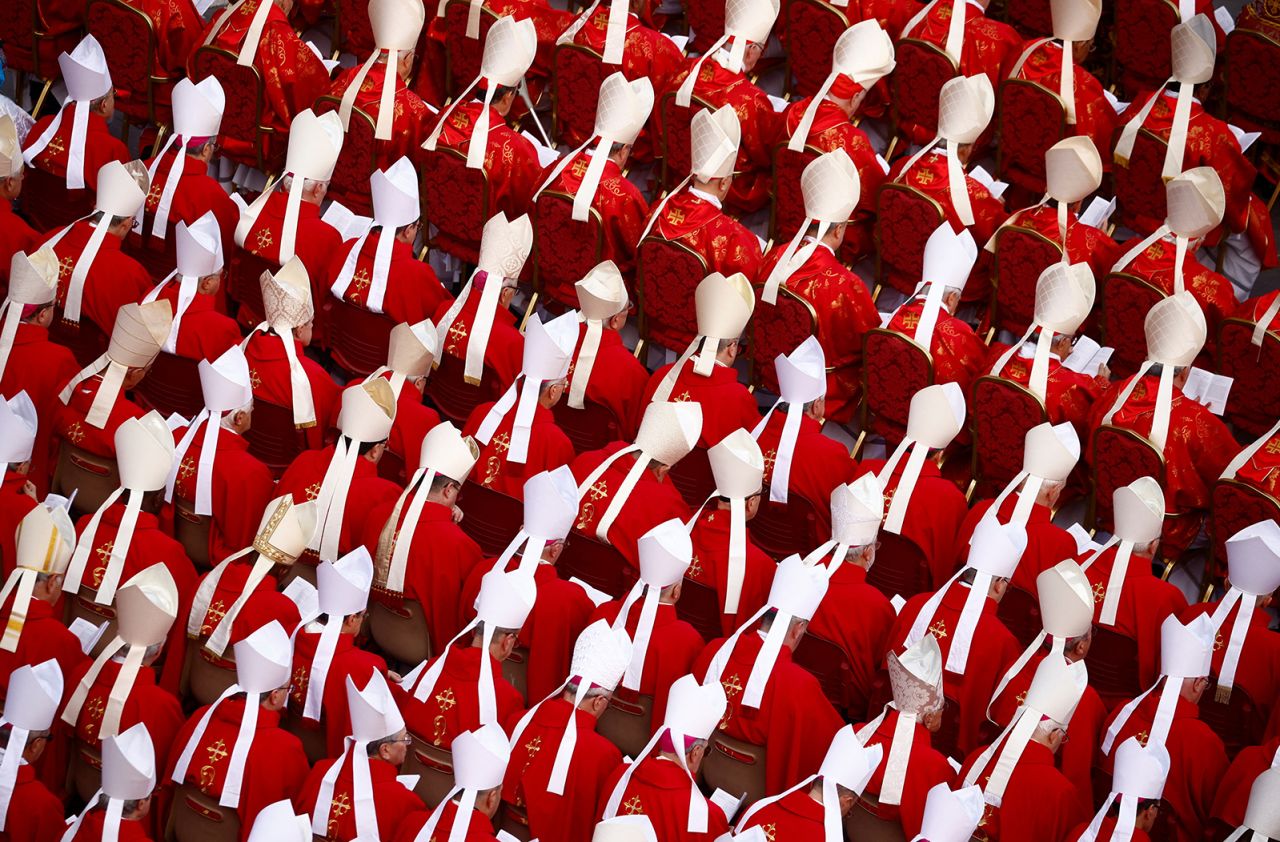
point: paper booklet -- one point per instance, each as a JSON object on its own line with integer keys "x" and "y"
{"x": 546, "y": 155}
{"x": 1209, "y": 389}
{"x": 1087, "y": 356}
{"x": 1084, "y": 541}
{"x": 989, "y": 181}
{"x": 729, "y": 803}
{"x": 349, "y": 224}
{"x": 1098, "y": 214}
{"x": 87, "y": 633}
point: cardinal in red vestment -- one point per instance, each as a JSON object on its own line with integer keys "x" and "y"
{"x": 710, "y": 565}
{"x": 659, "y": 790}
{"x": 349, "y": 661}
{"x": 17, "y": 498}
{"x": 958, "y": 354}
{"x": 818, "y": 465}
{"x": 315, "y": 243}
{"x": 114, "y": 278}
{"x": 726, "y": 404}
{"x": 39, "y": 818}
{"x": 989, "y": 46}
{"x": 269, "y": 373}
{"x": 453, "y": 707}
{"x": 178, "y": 25}
{"x": 1262, "y": 469}
{"x": 367, "y": 489}
{"x": 505, "y": 351}
{"x": 1069, "y": 395}
{"x": 673, "y": 646}
{"x": 1085, "y": 243}
{"x": 411, "y": 121}
{"x": 393, "y": 802}
{"x": 197, "y": 192}
{"x": 147, "y": 703}
{"x": 1047, "y": 543}
{"x": 1039, "y": 802}
{"x": 100, "y": 145}
{"x": 549, "y": 447}
{"x": 620, "y": 204}
{"x": 15, "y": 234}
{"x": 412, "y": 293}
{"x": 1233, "y": 790}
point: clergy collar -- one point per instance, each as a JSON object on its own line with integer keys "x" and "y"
{"x": 706, "y": 197}
{"x": 819, "y": 243}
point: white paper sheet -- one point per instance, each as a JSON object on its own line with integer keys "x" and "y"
{"x": 87, "y": 633}
{"x": 779, "y": 104}
{"x": 349, "y": 224}
{"x": 1245, "y": 139}
{"x": 681, "y": 41}
{"x": 546, "y": 155}
{"x": 727, "y": 802}
{"x": 1119, "y": 106}
{"x": 1084, "y": 541}
{"x": 1208, "y": 389}
{"x": 1087, "y": 356}
{"x": 1224, "y": 19}
{"x": 329, "y": 64}
{"x": 1099, "y": 212}
{"x": 989, "y": 181}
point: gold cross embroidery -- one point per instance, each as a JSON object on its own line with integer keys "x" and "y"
{"x": 676, "y": 216}
{"x": 96, "y": 708}
{"x": 254, "y": 379}
{"x": 313, "y": 491}
{"x": 684, "y": 396}
{"x": 601, "y": 19}
{"x": 599, "y": 491}
{"x": 217, "y": 751}
{"x": 1099, "y": 592}
{"x": 769, "y": 459}
{"x": 1142, "y": 737}
{"x": 153, "y": 196}
{"x": 264, "y": 238}
{"x": 1217, "y": 642}
{"x": 361, "y": 280}
{"x": 338, "y": 808}
{"x": 457, "y": 333}
{"x": 1022, "y": 697}
{"x": 733, "y": 686}
{"x": 104, "y": 551}
{"x": 446, "y": 700}
{"x": 695, "y": 568}
{"x": 770, "y": 832}
{"x": 65, "y": 265}
{"x": 910, "y": 320}
{"x": 298, "y": 691}
{"x": 216, "y": 612}
{"x": 75, "y": 433}
{"x": 57, "y": 146}
{"x": 1273, "y": 446}
{"x": 188, "y": 468}
{"x": 579, "y": 167}
{"x": 924, "y": 177}
{"x": 633, "y": 806}
{"x": 502, "y": 443}
{"x": 938, "y": 629}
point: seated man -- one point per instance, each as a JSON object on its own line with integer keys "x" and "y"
{"x": 1026, "y": 796}
{"x": 463, "y": 685}
{"x": 411, "y": 354}
{"x": 178, "y": 26}
{"x": 969, "y": 601}
{"x": 661, "y": 783}
{"x": 292, "y": 73}
{"x": 566, "y": 801}
{"x": 1064, "y": 298}
{"x": 983, "y": 46}
{"x": 704, "y": 374}
{"x": 514, "y": 448}
{"x": 1196, "y": 444}
{"x": 199, "y": 330}
{"x": 128, "y": 783}
{"x": 1231, "y": 802}
{"x": 1128, "y": 597}
{"x": 775, "y": 702}
{"x": 31, "y": 811}
{"x": 279, "y": 371}
{"x": 928, "y": 316}
{"x": 720, "y": 77}
{"x": 376, "y": 741}
{"x": 694, "y": 217}
{"x": 627, "y": 492}
{"x": 91, "y": 102}
{"x": 486, "y": 299}
{"x": 18, "y": 425}
{"x": 863, "y": 55}
{"x": 15, "y": 234}
{"x": 93, "y": 403}
{"x": 1136, "y": 790}
{"x": 181, "y": 188}
{"x": 482, "y": 758}
{"x": 95, "y": 277}
{"x": 602, "y": 370}
{"x": 725, "y": 558}
{"x": 216, "y": 477}
{"x": 1197, "y": 758}
{"x": 378, "y": 270}
{"x": 478, "y": 126}
{"x": 809, "y": 267}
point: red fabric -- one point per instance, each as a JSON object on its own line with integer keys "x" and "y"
{"x": 549, "y": 448}
{"x": 726, "y": 403}
{"x": 1262, "y": 471}
{"x": 1069, "y": 395}
{"x": 349, "y": 661}
{"x": 797, "y": 816}
{"x": 1039, "y": 801}
{"x": 818, "y": 464}
{"x": 69, "y": 420}
{"x": 131, "y": 830}
{"x": 1047, "y": 544}
{"x": 114, "y": 278}
{"x": 659, "y": 789}
{"x": 269, "y": 374}
{"x": 411, "y": 120}
{"x": 651, "y": 502}
{"x": 1197, "y": 762}
{"x": 177, "y": 24}
{"x": 35, "y": 813}
{"x": 673, "y": 646}
{"x": 156, "y": 708}
{"x": 15, "y": 236}
{"x": 315, "y": 241}
{"x": 275, "y": 767}
{"x": 510, "y": 162}
{"x": 1145, "y": 602}
{"x": 560, "y": 613}
{"x": 710, "y": 567}
{"x": 794, "y": 719}
{"x": 292, "y": 75}
{"x": 958, "y": 353}
{"x": 620, "y": 203}
{"x": 479, "y": 829}
{"x": 1233, "y": 790}
{"x": 440, "y": 559}
{"x": 504, "y": 353}
{"x": 413, "y": 291}
{"x": 929, "y": 176}
{"x": 1258, "y": 671}
{"x": 926, "y": 767}
{"x": 990, "y": 47}
{"x": 617, "y": 380}
{"x": 197, "y": 193}
{"x": 392, "y": 802}
{"x": 934, "y": 513}
{"x": 303, "y": 478}
{"x": 204, "y": 333}
{"x": 100, "y": 146}
{"x": 263, "y": 606}
{"x": 1085, "y": 244}
{"x": 1095, "y": 118}
{"x": 454, "y": 705}
{"x": 43, "y": 638}
{"x": 1105, "y": 832}
{"x": 571, "y": 816}
{"x": 1212, "y": 291}
{"x": 16, "y": 500}
{"x": 723, "y": 242}
{"x": 992, "y": 651}
{"x": 1196, "y": 452}
{"x": 241, "y": 489}
{"x": 858, "y": 618}
{"x": 761, "y": 126}
{"x": 41, "y": 369}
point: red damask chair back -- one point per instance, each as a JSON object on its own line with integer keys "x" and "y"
{"x": 1032, "y": 119}
{"x": 1254, "y": 403}
{"x": 493, "y": 517}
{"x": 894, "y": 368}
{"x": 354, "y": 31}
{"x": 699, "y": 606}
{"x": 596, "y": 563}
{"x": 675, "y": 141}
{"x": 1113, "y": 665}
{"x": 1002, "y": 412}
{"x": 783, "y": 529}
{"x": 453, "y": 395}
{"x": 1126, "y": 299}
{"x": 462, "y": 55}
{"x": 1030, "y": 17}
{"x": 47, "y": 202}
{"x": 905, "y": 218}
{"x": 359, "y": 347}
{"x": 778, "y": 328}
{"x": 244, "y": 120}
{"x": 1120, "y": 456}
{"x": 1143, "y": 55}
{"x": 273, "y": 438}
{"x": 456, "y": 201}
{"x": 128, "y": 39}
{"x": 1239, "y": 721}
{"x": 1020, "y": 613}
{"x": 705, "y": 19}
{"x": 922, "y": 70}
{"x": 667, "y": 274}
{"x": 172, "y": 385}
{"x": 357, "y": 160}
{"x": 828, "y": 663}
{"x": 244, "y": 285}
{"x": 564, "y": 249}
{"x": 589, "y": 428}
{"x": 1140, "y": 195}
{"x": 1234, "y": 506}
{"x": 901, "y": 567}
{"x": 1253, "y": 81}
{"x": 812, "y": 29}
{"x": 787, "y": 208}
{"x": 18, "y": 31}
{"x": 692, "y": 477}
{"x": 577, "y": 72}
{"x": 1020, "y": 256}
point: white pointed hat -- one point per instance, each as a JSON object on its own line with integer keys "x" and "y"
{"x": 199, "y": 246}
{"x": 139, "y": 333}
{"x": 949, "y": 257}
{"x": 848, "y": 762}
{"x": 936, "y": 415}
{"x": 11, "y": 161}
{"x": 1066, "y": 600}
{"x": 1073, "y": 168}
{"x": 18, "y": 424}
{"x": 122, "y": 188}
{"x": 916, "y": 677}
{"x": 374, "y": 714}
{"x": 129, "y": 764}
{"x": 550, "y": 504}
{"x": 45, "y": 539}
{"x": 665, "y": 553}
{"x": 694, "y": 709}
{"x": 1139, "y": 510}
{"x": 669, "y": 430}
{"x": 830, "y": 187}
{"x": 144, "y": 452}
{"x": 395, "y": 194}
{"x": 623, "y": 109}
{"x": 951, "y": 815}
{"x": 1186, "y": 649}
{"x": 802, "y": 374}
{"x": 750, "y": 19}
{"x": 198, "y": 107}
{"x": 600, "y": 655}
{"x": 996, "y": 547}
{"x": 714, "y": 138}
{"x": 84, "y": 70}
{"x": 278, "y": 823}
{"x": 965, "y": 107}
{"x": 1050, "y": 451}
{"x": 33, "y": 697}
{"x": 1253, "y": 558}
{"x": 344, "y": 584}
{"x": 448, "y": 452}
{"x": 1262, "y": 815}
{"x": 286, "y": 296}
{"x": 857, "y": 509}
{"x": 548, "y": 346}
{"x": 1064, "y": 296}
{"x": 1140, "y": 770}
{"x": 509, "y": 50}
{"x": 724, "y": 305}
{"x": 480, "y": 758}
{"x": 368, "y": 411}
{"x": 737, "y": 464}
{"x": 797, "y": 589}
{"x": 505, "y": 599}
{"x": 264, "y": 659}
{"x": 1075, "y": 20}
{"x": 33, "y": 277}
{"x": 396, "y": 24}
{"x": 225, "y": 382}
{"x": 147, "y": 605}
{"x": 1176, "y": 330}
{"x": 1057, "y": 688}
{"x": 1196, "y": 202}
{"x": 637, "y": 828}
{"x": 602, "y": 293}
{"x": 413, "y": 348}
{"x": 505, "y": 244}
{"x": 1194, "y": 46}
{"x": 315, "y": 141}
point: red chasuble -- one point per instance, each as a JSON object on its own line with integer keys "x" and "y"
{"x": 413, "y": 291}
{"x": 1039, "y": 802}
{"x": 617, "y": 380}
{"x": 411, "y": 118}
{"x": 114, "y": 279}
{"x": 44, "y": 637}
{"x": 621, "y": 206}
{"x": 131, "y": 830}
{"x": 726, "y": 403}
{"x": 958, "y": 354}
{"x": 35, "y": 813}
{"x": 504, "y": 353}
{"x": 153, "y": 706}
{"x": 315, "y": 241}
{"x": 41, "y": 369}
{"x": 204, "y": 333}
{"x": 101, "y": 147}
{"x": 479, "y": 828}
{"x": 454, "y": 704}
{"x": 510, "y": 162}
{"x": 15, "y": 236}
{"x": 818, "y": 464}
{"x": 857, "y": 617}
{"x": 1105, "y": 832}
{"x": 1069, "y": 395}
{"x": 263, "y": 606}
{"x": 1047, "y": 544}
{"x": 990, "y": 47}
{"x": 197, "y": 193}
{"x": 305, "y": 475}
{"x": 659, "y": 789}
{"x": 1233, "y": 790}
{"x": 722, "y": 241}
{"x": 673, "y": 647}
{"x": 926, "y": 767}
{"x": 549, "y": 448}
{"x": 1095, "y": 118}
{"x": 929, "y": 176}
{"x": 1258, "y": 671}
{"x": 797, "y": 816}
{"x": 349, "y": 661}
{"x": 269, "y": 375}
{"x": 1085, "y": 244}
{"x": 710, "y": 567}
{"x": 242, "y": 488}
{"x": 392, "y": 802}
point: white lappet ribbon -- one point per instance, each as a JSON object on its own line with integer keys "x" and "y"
{"x": 1038, "y": 380}
{"x": 398, "y": 541}
{"x": 71, "y": 308}
{"x": 304, "y": 405}
{"x": 586, "y": 360}
{"x": 364, "y": 808}
{"x": 1125, "y": 822}
{"x": 481, "y": 321}
{"x": 615, "y": 38}
{"x": 780, "y": 482}
{"x": 120, "y": 545}
{"x": 526, "y": 388}
{"x": 649, "y": 597}
{"x": 1169, "y": 695}
{"x": 188, "y": 287}
{"x": 386, "y": 99}
{"x": 318, "y": 675}
{"x": 898, "y": 758}
{"x": 331, "y": 502}
{"x": 1176, "y": 150}
{"x": 1011, "y": 744}
{"x": 75, "y": 149}
{"x": 957, "y": 179}
{"x": 697, "y": 803}
{"x": 9, "y": 763}
{"x": 897, "y": 513}
{"x": 478, "y": 145}
{"x": 753, "y": 693}
{"x": 622, "y": 494}
{"x": 1164, "y": 402}
{"x": 234, "y": 781}
{"x": 204, "y": 470}
{"x": 1246, "y": 455}
{"x": 733, "y": 62}
{"x": 164, "y": 205}
{"x": 1245, "y": 604}
{"x": 220, "y": 637}
{"x": 381, "y": 269}
{"x": 120, "y": 689}
{"x": 292, "y": 211}
{"x": 1057, "y": 649}
{"x": 423, "y": 678}
{"x": 21, "y": 583}
{"x": 832, "y": 822}
{"x": 249, "y": 47}
{"x": 1115, "y": 580}
{"x": 958, "y": 656}
{"x": 109, "y": 389}
{"x": 110, "y": 822}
